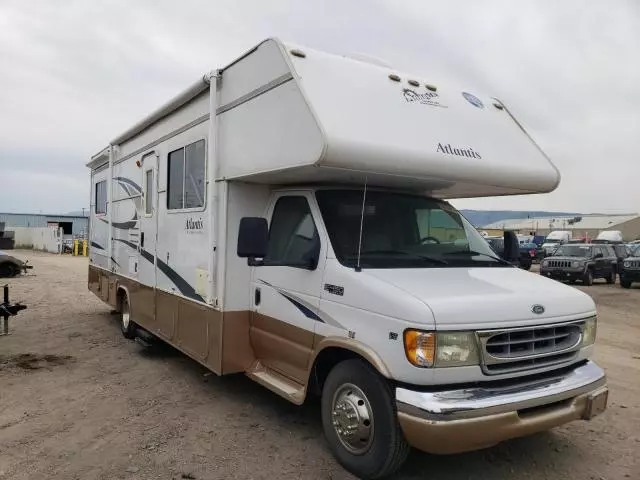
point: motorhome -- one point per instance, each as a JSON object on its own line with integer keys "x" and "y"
{"x": 287, "y": 218}
{"x": 609, "y": 236}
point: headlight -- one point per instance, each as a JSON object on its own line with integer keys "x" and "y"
{"x": 589, "y": 332}
{"x": 545, "y": 263}
{"x": 445, "y": 349}
{"x": 576, "y": 264}
{"x": 627, "y": 264}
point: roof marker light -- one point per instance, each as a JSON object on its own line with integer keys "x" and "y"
{"x": 498, "y": 106}
{"x": 298, "y": 53}
{"x": 433, "y": 88}
{"x": 414, "y": 83}
{"x": 394, "y": 77}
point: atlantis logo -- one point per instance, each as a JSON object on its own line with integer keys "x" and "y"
{"x": 460, "y": 152}
{"x": 194, "y": 226}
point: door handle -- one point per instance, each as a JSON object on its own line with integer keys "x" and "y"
{"x": 142, "y": 240}
{"x": 257, "y": 297}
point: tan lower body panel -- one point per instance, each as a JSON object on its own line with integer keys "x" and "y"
{"x": 456, "y": 436}
{"x": 217, "y": 340}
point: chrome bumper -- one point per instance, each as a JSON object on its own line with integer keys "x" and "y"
{"x": 483, "y": 401}
{"x": 466, "y": 419}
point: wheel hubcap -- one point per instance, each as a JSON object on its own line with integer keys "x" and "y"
{"x": 352, "y": 419}
{"x": 126, "y": 317}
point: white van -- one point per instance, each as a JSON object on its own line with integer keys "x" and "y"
{"x": 286, "y": 218}
{"x": 554, "y": 240}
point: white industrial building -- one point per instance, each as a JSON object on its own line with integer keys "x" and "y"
{"x": 581, "y": 226}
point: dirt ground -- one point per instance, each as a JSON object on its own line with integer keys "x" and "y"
{"x": 78, "y": 401}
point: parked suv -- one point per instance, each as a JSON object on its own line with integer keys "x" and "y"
{"x": 630, "y": 271}
{"x": 584, "y": 262}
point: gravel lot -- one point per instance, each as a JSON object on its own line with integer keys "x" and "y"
{"x": 78, "y": 401}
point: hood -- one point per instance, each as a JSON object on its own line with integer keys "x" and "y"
{"x": 488, "y": 297}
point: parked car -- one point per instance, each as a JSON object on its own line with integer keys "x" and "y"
{"x": 581, "y": 262}
{"x": 630, "y": 271}
{"x": 497, "y": 245}
{"x": 11, "y": 266}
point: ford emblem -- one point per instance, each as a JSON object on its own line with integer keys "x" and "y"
{"x": 537, "y": 309}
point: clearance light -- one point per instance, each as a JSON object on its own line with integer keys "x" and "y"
{"x": 420, "y": 347}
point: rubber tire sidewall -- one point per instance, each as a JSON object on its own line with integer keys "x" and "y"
{"x": 8, "y": 270}
{"x": 587, "y": 279}
{"x": 625, "y": 283}
{"x": 130, "y": 331}
{"x": 389, "y": 449}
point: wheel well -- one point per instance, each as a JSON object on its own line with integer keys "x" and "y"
{"x": 324, "y": 363}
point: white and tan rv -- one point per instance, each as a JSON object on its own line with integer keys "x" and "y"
{"x": 286, "y": 217}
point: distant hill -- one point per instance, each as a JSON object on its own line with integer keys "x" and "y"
{"x": 480, "y": 218}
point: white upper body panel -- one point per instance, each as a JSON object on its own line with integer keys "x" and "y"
{"x": 322, "y": 117}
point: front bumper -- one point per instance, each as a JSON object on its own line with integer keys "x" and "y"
{"x": 467, "y": 419}
{"x": 562, "y": 274}
{"x": 631, "y": 275}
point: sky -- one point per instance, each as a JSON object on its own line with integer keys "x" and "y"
{"x": 75, "y": 74}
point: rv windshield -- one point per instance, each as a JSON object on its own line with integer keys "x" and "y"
{"x": 401, "y": 231}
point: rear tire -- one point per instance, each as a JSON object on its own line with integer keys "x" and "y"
{"x": 360, "y": 422}
{"x": 587, "y": 279}
{"x": 127, "y": 326}
{"x": 625, "y": 283}
{"x": 7, "y": 270}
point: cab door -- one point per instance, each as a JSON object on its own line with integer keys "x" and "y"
{"x": 286, "y": 290}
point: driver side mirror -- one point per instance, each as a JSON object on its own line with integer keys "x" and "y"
{"x": 511, "y": 247}
{"x": 253, "y": 237}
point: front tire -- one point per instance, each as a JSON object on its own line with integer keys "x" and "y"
{"x": 127, "y": 326}
{"x": 611, "y": 279}
{"x": 360, "y": 423}
{"x": 587, "y": 279}
{"x": 625, "y": 283}
{"x": 7, "y": 270}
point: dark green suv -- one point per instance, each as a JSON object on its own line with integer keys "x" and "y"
{"x": 583, "y": 262}
{"x": 630, "y": 271}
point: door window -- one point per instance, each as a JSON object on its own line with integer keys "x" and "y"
{"x": 101, "y": 197}
{"x": 148, "y": 192}
{"x": 293, "y": 236}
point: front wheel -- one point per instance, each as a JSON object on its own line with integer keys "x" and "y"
{"x": 625, "y": 283}
{"x": 7, "y": 270}
{"x": 587, "y": 279}
{"x": 127, "y": 325}
{"x": 611, "y": 279}
{"x": 360, "y": 423}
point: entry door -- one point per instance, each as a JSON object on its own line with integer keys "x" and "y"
{"x": 148, "y": 221}
{"x": 286, "y": 297}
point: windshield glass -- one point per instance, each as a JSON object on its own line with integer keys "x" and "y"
{"x": 573, "y": 251}
{"x": 400, "y": 231}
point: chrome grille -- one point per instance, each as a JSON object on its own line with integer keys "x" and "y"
{"x": 559, "y": 263}
{"x": 527, "y": 348}
{"x": 633, "y": 263}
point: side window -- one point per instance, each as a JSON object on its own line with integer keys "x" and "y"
{"x": 293, "y": 237}
{"x": 186, "y": 177}
{"x": 101, "y": 197}
{"x": 148, "y": 192}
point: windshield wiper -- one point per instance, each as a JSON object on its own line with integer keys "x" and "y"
{"x": 411, "y": 254}
{"x": 473, "y": 252}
